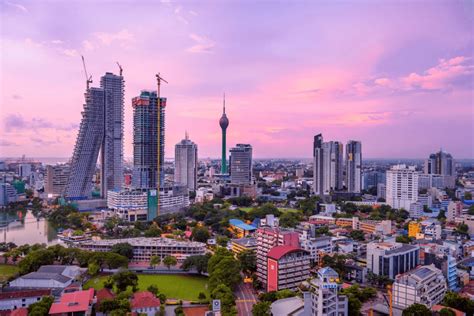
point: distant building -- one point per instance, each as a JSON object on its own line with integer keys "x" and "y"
{"x": 24, "y": 170}
{"x": 243, "y": 244}
{"x": 391, "y": 259}
{"x": 56, "y": 179}
{"x": 240, "y": 228}
{"x": 414, "y": 228}
{"x": 402, "y": 186}
{"x": 440, "y": 163}
{"x": 328, "y": 166}
{"x": 325, "y": 297}
{"x": 241, "y": 164}
{"x": 8, "y": 194}
{"x": 381, "y": 191}
{"x": 416, "y": 210}
{"x": 354, "y": 166}
{"x": 424, "y": 285}
{"x": 131, "y": 205}
{"x": 287, "y": 267}
{"x": 185, "y": 164}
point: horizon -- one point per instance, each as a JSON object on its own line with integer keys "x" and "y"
{"x": 289, "y": 71}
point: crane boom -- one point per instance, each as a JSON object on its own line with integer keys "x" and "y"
{"x": 158, "y": 156}
{"x": 120, "y": 67}
{"x": 88, "y": 78}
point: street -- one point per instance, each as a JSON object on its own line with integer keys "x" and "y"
{"x": 245, "y": 299}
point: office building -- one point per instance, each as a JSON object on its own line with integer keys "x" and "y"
{"x": 8, "y": 194}
{"x": 24, "y": 170}
{"x": 327, "y": 164}
{"x": 381, "y": 191}
{"x": 402, "y": 186}
{"x": 101, "y": 130}
{"x": 455, "y": 210}
{"x": 148, "y": 119}
{"x": 224, "y": 123}
{"x": 317, "y": 247}
{"x": 446, "y": 263}
{"x": 241, "y": 164}
{"x": 372, "y": 178}
{"x": 325, "y": 297}
{"x": 267, "y": 238}
{"x": 353, "y": 166}
{"x": 391, "y": 259}
{"x": 131, "y": 205}
{"x": 441, "y": 163}
{"x": 424, "y": 285}
{"x": 56, "y": 179}
{"x": 287, "y": 268}
{"x": 144, "y": 248}
{"x": 186, "y": 163}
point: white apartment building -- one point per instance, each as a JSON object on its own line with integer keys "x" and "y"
{"x": 424, "y": 285}
{"x": 129, "y": 205}
{"x": 391, "y": 259}
{"x": 325, "y": 300}
{"x": 402, "y": 186}
{"x": 316, "y": 246}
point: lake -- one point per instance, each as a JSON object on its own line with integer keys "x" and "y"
{"x": 24, "y": 228}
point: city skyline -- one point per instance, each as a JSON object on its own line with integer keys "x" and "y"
{"x": 299, "y": 70}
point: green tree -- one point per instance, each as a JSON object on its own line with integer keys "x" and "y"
{"x": 42, "y": 307}
{"x": 454, "y": 300}
{"x": 416, "y": 310}
{"x": 153, "y": 289}
{"x": 357, "y": 235}
{"x": 154, "y": 261}
{"x": 153, "y": 231}
{"x": 467, "y": 195}
{"x": 200, "y": 234}
{"x": 290, "y": 219}
{"x": 471, "y": 210}
{"x": 162, "y": 298}
{"x": 261, "y": 309}
{"x": 225, "y": 295}
{"x": 169, "y": 261}
{"x": 446, "y": 312}
{"x": 124, "y": 279}
{"x": 222, "y": 241}
{"x": 403, "y": 239}
{"x": 124, "y": 249}
{"x": 93, "y": 269}
{"x": 35, "y": 259}
{"x": 354, "y": 306}
{"x": 202, "y": 296}
{"x": 199, "y": 263}
{"x": 248, "y": 261}
{"x": 114, "y": 260}
{"x": 223, "y": 268}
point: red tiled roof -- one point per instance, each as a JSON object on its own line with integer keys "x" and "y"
{"x": 73, "y": 302}
{"x": 144, "y": 299}
{"x": 25, "y": 293}
{"x": 19, "y": 312}
{"x": 437, "y": 308}
{"x": 104, "y": 294}
{"x": 279, "y": 251}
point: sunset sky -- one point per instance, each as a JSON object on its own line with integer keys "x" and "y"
{"x": 396, "y": 75}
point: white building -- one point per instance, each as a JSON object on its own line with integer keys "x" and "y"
{"x": 402, "y": 186}
{"x": 50, "y": 276}
{"x": 416, "y": 210}
{"x": 56, "y": 179}
{"x": 315, "y": 246}
{"x": 129, "y": 205}
{"x": 325, "y": 298}
{"x": 391, "y": 259}
{"x": 11, "y": 300}
{"x": 353, "y": 166}
{"x": 185, "y": 163}
{"x": 203, "y": 195}
{"x": 424, "y": 285}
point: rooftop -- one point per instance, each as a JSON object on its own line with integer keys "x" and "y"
{"x": 240, "y": 224}
{"x": 279, "y": 251}
{"x": 246, "y": 242}
{"x": 46, "y": 276}
{"x": 144, "y": 241}
{"x": 25, "y": 293}
{"x": 73, "y": 302}
{"x": 144, "y": 299}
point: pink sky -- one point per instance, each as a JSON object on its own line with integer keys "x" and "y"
{"x": 399, "y": 76}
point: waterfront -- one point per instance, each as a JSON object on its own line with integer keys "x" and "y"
{"x": 24, "y": 228}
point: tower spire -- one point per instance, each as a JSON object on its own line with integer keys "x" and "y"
{"x": 224, "y": 104}
{"x": 186, "y": 136}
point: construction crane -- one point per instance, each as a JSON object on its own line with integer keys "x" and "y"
{"x": 158, "y": 174}
{"x": 120, "y": 67}
{"x": 88, "y": 78}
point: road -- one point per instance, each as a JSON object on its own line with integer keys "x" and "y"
{"x": 245, "y": 299}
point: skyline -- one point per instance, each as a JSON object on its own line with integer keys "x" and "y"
{"x": 347, "y": 79}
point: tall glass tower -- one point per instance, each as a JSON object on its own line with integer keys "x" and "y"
{"x": 224, "y": 123}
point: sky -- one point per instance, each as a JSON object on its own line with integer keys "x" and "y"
{"x": 396, "y": 75}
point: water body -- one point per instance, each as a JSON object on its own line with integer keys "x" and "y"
{"x": 24, "y": 228}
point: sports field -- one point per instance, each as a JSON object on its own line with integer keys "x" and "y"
{"x": 7, "y": 271}
{"x": 174, "y": 286}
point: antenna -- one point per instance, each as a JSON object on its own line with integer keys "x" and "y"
{"x": 88, "y": 78}
{"x": 224, "y": 102}
{"x": 120, "y": 67}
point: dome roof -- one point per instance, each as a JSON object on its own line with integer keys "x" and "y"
{"x": 224, "y": 121}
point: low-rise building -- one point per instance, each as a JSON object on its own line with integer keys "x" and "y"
{"x": 243, "y": 244}
{"x": 131, "y": 205}
{"x": 11, "y": 300}
{"x": 144, "y": 248}
{"x": 325, "y": 298}
{"x": 424, "y": 285}
{"x": 239, "y": 228}
{"x": 51, "y": 276}
{"x": 287, "y": 267}
{"x": 145, "y": 303}
{"x": 75, "y": 303}
{"x": 414, "y": 228}
{"x": 316, "y": 246}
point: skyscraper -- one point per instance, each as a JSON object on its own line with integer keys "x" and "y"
{"x": 441, "y": 163}
{"x": 185, "y": 163}
{"x": 101, "y": 130}
{"x": 111, "y": 175}
{"x": 353, "y": 166}
{"x": 241, "y": 164}
{"x": 145, "y": 140}
{"x": 327, "y": 166}
{"x": 88, "y": 143}
{"x": 224, "y": 123}
{"x": 402, "y": 186}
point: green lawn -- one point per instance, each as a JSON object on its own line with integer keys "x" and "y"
{"x": 7, "y": 271}
{"x": 281, "y": 209}
{"x": 174, "y": 286}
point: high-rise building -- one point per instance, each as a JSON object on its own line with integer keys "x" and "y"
{"x": 353, "y": 166}
{"x": 325, "y": 297}
{"x": 56, "y": 179}
{"x": 111, "y": 171}
{"x": 88, "y": 143}
{"x": 241, "y": 164}
{"x": 146, "y": 159}
{"x": 440, "y": 163}
{"x": 391, "y": 259}
{"x": 24, "y": 170}
{"x": 328, "y": 164}
{"x": 101, "y": 130}
{"x": 402, "y": 186}
{"x": 224, "y": 123}
{"x": 185, "y": 163}
{"x": 287, "y": 268}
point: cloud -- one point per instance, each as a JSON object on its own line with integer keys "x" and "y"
{"x": 87, "y": 45}
{"x": 16, "y": 122}
{"x": 43, "y": 142}
{"x": 69, "y": 52}
{"x": 17, "y": 6}
{"x": 203, "y": 44}
{"x": 193, "y": 12}
{"x": 124, "y": 36}
{"x": 6, "y": 143}
{"x": 57, "y": 42}
{"x": 16, "y": 97}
